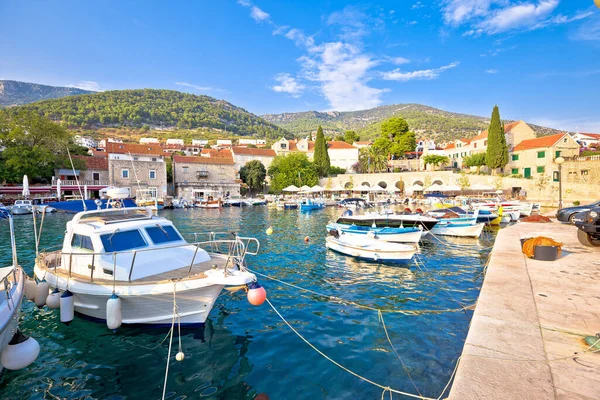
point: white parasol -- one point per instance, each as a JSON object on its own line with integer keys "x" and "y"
{"x": 434, "y": 188}
{"x": 58, "y": 189}
{"x": 25, "y": 191}
{"x": 85, "y": 192}
{"x": 291, "y": 188}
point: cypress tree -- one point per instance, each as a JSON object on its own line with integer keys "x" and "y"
{"x": 321, "y": 157}
{"x": 497, "y": 151}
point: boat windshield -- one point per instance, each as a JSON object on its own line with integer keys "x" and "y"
{"x": 163, "y": 234}
{"x": 122, "y": 241}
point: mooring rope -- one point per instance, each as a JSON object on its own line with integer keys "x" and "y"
{"x": 175, "y": 313}
{"x": 366, "y": 307}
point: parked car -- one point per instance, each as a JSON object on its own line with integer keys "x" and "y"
{"x": 588, "y": 227}
{"x": 568, "y": 213}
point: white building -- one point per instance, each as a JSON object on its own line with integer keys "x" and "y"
{"x": 199, "y": 142}
{"x": 586, "y": 139}
{"x": 341, "y": 154}
{"x": 255, "y": 142}
{"x": 103, "y": 142}
{"x": 85, "y": 141}
{"x": 241, "y": 155}
{"x": 223, "y": 142}
{"x": 175, "y": 141}
{"x": 149, "y": 140}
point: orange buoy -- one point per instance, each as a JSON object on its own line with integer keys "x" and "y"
{"x": 306, "y": 239}
{"x": 256, "y": 294}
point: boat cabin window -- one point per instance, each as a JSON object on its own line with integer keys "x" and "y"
{"x": 163, "y": 234}
{"x": 82, "y": 242}
{"x": 122, "y": 241}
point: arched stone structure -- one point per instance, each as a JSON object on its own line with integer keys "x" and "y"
{"x": 383, "y": 184}
{"x": 365, "y": 183}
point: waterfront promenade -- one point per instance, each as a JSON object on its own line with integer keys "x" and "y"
{"x": 530, "y": 320}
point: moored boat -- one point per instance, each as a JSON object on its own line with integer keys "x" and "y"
{"x": 22, "y": 207}
{"x": 308, "y": 204}
{"x": 461, "y": 227}
{"x": 143, "y": 261}
{"x": 369, "y": 248}
{"x": 399, "y": 235}
{"x": 389, "y": 220}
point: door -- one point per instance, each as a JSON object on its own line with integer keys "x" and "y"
{"x": 526, "y": 172}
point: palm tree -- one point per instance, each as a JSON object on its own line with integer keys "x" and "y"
{"x": 372, "y": 160}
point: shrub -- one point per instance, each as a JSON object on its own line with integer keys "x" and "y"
{"x": 576, "y": 203}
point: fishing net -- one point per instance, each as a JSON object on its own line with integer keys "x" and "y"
{"x": 529, "y": 245}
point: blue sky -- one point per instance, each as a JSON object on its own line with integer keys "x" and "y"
{"x": 539, "y": 60}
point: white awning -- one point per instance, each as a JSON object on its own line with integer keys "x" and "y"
{"x": 434, "y": 188}
{"x": 291, "y": 188}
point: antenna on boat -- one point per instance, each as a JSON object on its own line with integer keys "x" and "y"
{"x": 5, "y": 214}
{"x": 76, "y": 180}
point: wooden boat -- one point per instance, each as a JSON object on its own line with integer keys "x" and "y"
{"x": 369, "y": 248}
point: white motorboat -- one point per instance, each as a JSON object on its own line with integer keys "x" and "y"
{"x": 16, "y": 350}
{"x": 369, "y": 248}
{"x": 22, "y": 207}
{"x": 141, "y": 259}
{"x": 389, "y": 220}
{"x": 461, "y": 227}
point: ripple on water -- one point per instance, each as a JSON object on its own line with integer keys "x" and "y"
{"x": 245, "y": 350}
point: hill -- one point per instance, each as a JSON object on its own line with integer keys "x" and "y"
{"x": 153, "y": 109}
{"x": 426, "y": 121}
{"x": 14, "y": 93}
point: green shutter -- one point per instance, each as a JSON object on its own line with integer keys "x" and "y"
{"x": 541, "y": 169}
{"x": 526, "y": 172}
{"x": 541, "y": 154}
{"x": 515, "y": 157}
{"x": 515, "y": 171}
{"x": 557, "y": 154}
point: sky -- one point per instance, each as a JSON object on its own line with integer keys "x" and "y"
{"x": 538, "y": 60}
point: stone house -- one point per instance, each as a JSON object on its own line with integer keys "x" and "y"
{"x": 204, "y": 173}
{"x": 341, "y": 154}
{"x": 241, "y": 155}
{"x": 137, "y": 167}
{"x": 94, "y": 176}
{"x": 536, "y": 156}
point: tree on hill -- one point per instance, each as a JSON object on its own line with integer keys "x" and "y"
{"x": 292, "y": 169}
{"x": 253, "y": 174}
{"x": 404, "y": 144}
{"x": 435, "y": 160}
{"x": 395, "y": 131}
{"x": 321, "y": 156}
{"x": 350, "y": 137}
{"x": 497, "y": 150}
{"x": 394, "y": 127}
{"x": 34, "y": 146}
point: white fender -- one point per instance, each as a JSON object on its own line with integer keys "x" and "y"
{"x": 30, "y": 287}
{"x": 67, "y": 307}
{"x": 20, "y": 352}
{"x": 53, "y": 299}
{"x": 41, "y": 293}
{"x": 114, "y": 314}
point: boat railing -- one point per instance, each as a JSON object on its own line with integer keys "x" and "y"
{"x": 7, "y": 285}
{"x": 235, "y": 249}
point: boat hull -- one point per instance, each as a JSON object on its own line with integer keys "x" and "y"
{"x": 386, "y": 234}
{"x": 9, "y": 316}
{"x": 459, "y": 230}
{"x": 372, "y": 252}
{"x": 390, "y": 222}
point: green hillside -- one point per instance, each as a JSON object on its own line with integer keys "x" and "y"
{"x": 149, "y": 108}
{"x": 14, "y": 93}
{"x": 426, "y": 121}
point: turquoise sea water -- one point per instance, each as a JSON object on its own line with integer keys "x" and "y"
{"x": 245, "y": 350}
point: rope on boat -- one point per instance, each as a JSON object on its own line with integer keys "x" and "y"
{"x": 175, "y": 313}
{"x": 446, "y": 243}
{"x": 385, "y": 388}
{"x": 363, "y": 306}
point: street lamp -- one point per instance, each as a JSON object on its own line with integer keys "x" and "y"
{"x": 559, "y": 161}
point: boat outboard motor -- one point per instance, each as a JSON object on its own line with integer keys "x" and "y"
{"x": 347, "y": 213}
{"x": 335, "y": 233}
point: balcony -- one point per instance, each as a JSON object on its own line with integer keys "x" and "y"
{"x": 68, "y": 182}
{"x": 201, "y": 174}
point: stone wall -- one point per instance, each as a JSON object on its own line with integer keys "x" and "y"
{"x": 142, "y": 171}
{"x": 586, "y": 171}
{"x": 197, "y": 176}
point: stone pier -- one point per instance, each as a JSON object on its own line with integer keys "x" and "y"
{"x": 528, "y": 329}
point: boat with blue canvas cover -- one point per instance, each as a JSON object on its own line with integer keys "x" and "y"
{"x": 308, "y": 204}
{"x": 398, "y": 235}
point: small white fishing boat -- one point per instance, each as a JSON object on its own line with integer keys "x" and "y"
{"x": 461, "y": 227}
{"x": 398, "y": 235}
{"x": 140, "y": 261}
{"x": 17, "y": 351}
{"x": 369, "y": 248}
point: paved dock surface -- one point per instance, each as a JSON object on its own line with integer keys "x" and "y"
{"x": 531, "y": 320}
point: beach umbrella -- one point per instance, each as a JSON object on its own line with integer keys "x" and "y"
{"x": 85, "y": 192}
{"x": 376, "y": 188}
{"x": 416, "y": 188}
{"x": 291, "y": 188}
{"x": 25, "y": 191}
{"x": 58, "y": 189}
{"x": 337, "y": 188}
{"x": 316, "y": 188}
{"x": 451, "y": 188}
{"x": 434, "y": 188}
{"x": 361, "y": 188}
{"x": 305, "y": 188}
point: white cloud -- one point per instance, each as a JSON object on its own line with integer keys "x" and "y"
{"x": 244, "y": 3}
{"x": 496, "y": 16}
{"x": 588, "y": 31}
{"x": 258, "y": 15}
{"x": 288, "y": 84}
{"x": 417, "y": 5}
{"x": 400, "y": 60}
{"x": 398, "y": 75}
{"x": 199, "y": 88}
{"x": 491, "y": 71}
{"x": 583, "y": 124}
{"x": 87, "y": 85}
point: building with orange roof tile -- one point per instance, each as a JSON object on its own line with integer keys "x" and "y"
{"x": 242, "y": 155}
{"x": 139, "y": 167}
{"x": 198, "y": 176}
{"x": 341, "y": 154}
{"x": 587, "y": 139}
{"x": 536, "y": 156}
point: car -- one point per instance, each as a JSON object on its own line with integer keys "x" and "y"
{"x": 568, "y": 213}
{"x": 588, "y": 227}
